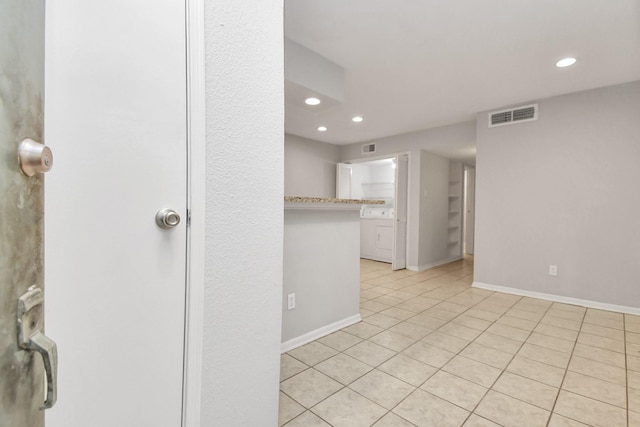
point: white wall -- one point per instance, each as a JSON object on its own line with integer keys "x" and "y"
{"x": 244, "y": 224}
{"x": 430, "y": 140}
{"x": 309, "y": 167}
{"x": 563, "y": 190}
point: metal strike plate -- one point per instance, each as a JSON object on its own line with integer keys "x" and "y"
{"x": 34, "y": 157}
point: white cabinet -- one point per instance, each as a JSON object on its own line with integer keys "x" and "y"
{"x": 376, "y": 239}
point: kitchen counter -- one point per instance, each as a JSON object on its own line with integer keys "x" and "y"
{"x": 321, "y": 267}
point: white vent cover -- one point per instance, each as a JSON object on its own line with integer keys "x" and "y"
{"x": 368, "y": 148}
{"x": 511, "y": 116}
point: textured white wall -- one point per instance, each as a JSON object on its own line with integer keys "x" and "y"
{"x": 309, "y": 167}
{"x": 244, "y": 224}
{"x": 563, "y": 190}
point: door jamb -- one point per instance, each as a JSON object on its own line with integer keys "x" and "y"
{"x": 196, "y": 199}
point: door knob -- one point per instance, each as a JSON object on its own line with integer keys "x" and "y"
{"x": 34, "y": 157}
{"x": 30, "y": 337}
{"x": 167, "y": 218}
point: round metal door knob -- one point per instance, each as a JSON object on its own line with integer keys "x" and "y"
{"x": 34, "y": 157}
{"x": 167, "y": 218}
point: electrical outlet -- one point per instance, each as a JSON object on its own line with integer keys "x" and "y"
{"x": 553, "y": 270}
{"x": 291, "y": 301}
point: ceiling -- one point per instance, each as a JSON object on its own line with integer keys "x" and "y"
{"x": 417, "y": 64}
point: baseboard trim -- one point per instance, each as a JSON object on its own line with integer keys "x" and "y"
{"x": 318, "y": 333}
{"x": 433, "y": 264}
{"x": 558, "y": 298}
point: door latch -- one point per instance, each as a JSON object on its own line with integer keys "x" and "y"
{"x": 31, "y": 338}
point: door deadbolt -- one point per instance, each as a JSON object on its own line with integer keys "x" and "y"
{"x": 167, "y": 218}
{"x": 34, "y": 157}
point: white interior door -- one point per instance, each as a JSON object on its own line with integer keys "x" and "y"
{"x": 399, "y": 252}
{"x": 343, "y": 181}
{"x": 116, "y": 119}
{"x": 470, "y": 209}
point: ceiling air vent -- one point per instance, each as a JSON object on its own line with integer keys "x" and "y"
{"x": 368, "y": 148}
{"x": 525, "y": 113}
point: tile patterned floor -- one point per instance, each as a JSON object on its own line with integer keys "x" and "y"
{"x": 432, "y": 351}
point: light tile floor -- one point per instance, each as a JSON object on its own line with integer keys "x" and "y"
{"x": 433, "y": 351}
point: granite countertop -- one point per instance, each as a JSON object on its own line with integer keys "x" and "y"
{"x": 298, "y": 199}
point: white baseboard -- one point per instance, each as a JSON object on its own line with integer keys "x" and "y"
{"x": 559, "y": 298}
{"x": 433, "y": 264}
{"x": 318, "y": 333}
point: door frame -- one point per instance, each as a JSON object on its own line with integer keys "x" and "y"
{"x": 196, "y": 201}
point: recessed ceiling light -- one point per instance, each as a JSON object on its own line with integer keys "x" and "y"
{"x": 357, "y": 119}
{"x": 312, "y": 101}
{"x": 566, "y": 62}
{"x": 322, "y": 128}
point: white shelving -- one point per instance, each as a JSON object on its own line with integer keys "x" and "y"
{"x": 454, "y": 245}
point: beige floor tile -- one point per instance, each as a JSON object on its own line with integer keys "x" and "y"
{"x": 392, "y": 420}
{"x": 601, "y": 342}
{"x": 561, "y": 322}
{"x": 347, "y": 408}
{"x": 633, "y": 397}
{"x": 493, "y": 308}
{"x": 452, "y": 307}
{"x": 483, "y": 314}
{"x": 526, "y": 315}
{"x": 535, "y": 370}
{"x": 606, "y": 321}
{"x": 506, "y": 300}
{"x": 633, "y": 363}
{"x": 499, "y": 343}
{"x": 402, "y": 295}
{"x": 460, "y": 331}
{"x": 428, "y": 354}
{"x": 560, "y": 421}
{"x": 602, "y": 331}
{"x": 440, "y": 314}
{"x": 381, "y": 388}
{"x": 363, "y": 330}
{"x": 568, "y": 307}
{"x": 411, "y": 306}
{"x": 634, "y": 419}
{"x": 343, "y": 368}
{"x": 533, "y": 304}
{"x": 515, "y": 322}
{"x": 308, "y": 419}
{"x": 398, "y": 313}
{"x": 589, "y": 411}
{"x": 472, "y": 322}
{"x": 508, "y": 331}
{"x": 392, "y": 340}
{"x": 508, "y": 411}
{"x": 455, "y": 390}
{"x": 310, "y": 387}
{"x": 477, "y": 421}
{"x": 607, "y": 392}
{"x": 411, "y": 330}
{"x": 340, "y": 340}
{"x": 556, "y": 332}
{"x": 632, "y": 349}
{"x": 473, "y": 371}
{"x": 487, "y": 355}
{"x": 290, "y": 366}
{"x": 426, "y": 322}
{"x": 288, "y": 409}
{"x": 312, "y": 353}
{"x": 598, "y": 370}
{"x": 374, "y": 306}
{"x": 407, "y": 369}
{"x": 389, "y": 300}
{"x": 545, "y": 355}
{"x": 366, "y": 313}
{"x": 382, "y": 321}
{"x": 445, "y": 341}
{"x": 600, "y": 355}
{"x": 563, "y": 314}
{"x": 370, "y": 353}
{"x": 550, "y": 342}
{"x": 633, "y": 379}
{"x": 527, "y": 390}
{"x": 426, "y": 410}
